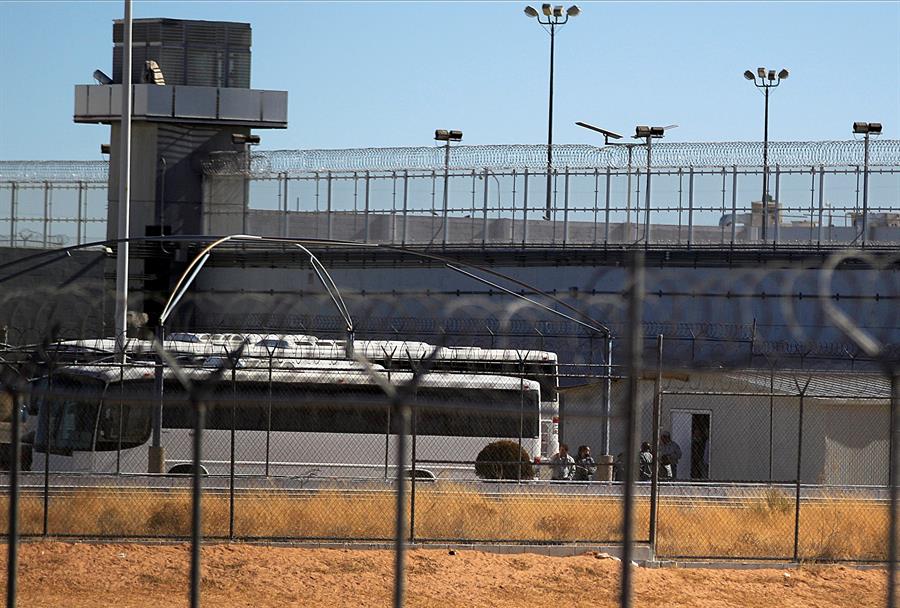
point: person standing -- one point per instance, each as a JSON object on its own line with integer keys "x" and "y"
{"x": 669, "y": 453}
{"x": 645, "y": 463}
{"x": 585, "y": 466}
{"x": 563, "y": 464}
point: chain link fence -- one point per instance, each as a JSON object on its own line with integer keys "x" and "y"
{"x": 453, "y": 419}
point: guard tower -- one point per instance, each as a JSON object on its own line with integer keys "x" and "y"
{"x": 191, "y": 83}
{"x": 191, "y": 97}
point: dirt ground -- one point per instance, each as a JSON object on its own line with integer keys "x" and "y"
{"x": 131, "y": 575}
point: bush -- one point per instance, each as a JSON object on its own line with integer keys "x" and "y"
{"x": 498, "y": 461}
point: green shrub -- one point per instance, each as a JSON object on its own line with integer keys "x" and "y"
{"x": 498, "y": 461}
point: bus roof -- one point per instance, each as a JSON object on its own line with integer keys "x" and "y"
{"x": 311, "y": 371}
{"x": 304, "y": 346}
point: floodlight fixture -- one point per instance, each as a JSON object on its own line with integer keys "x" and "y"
{"x": 101, "y": 77}
{"x": 771, "y": 75}
{"x": 870, "y": 128}
{"x": 445, "y": 135}
{"x": 783, "y": 74}
{"x": 240, "y": 138}
{"x": 641, "y": 131}
{"x": 749, "y": 75}
{"x": 573, "y": 11}
{"x": 558, "y": 11}
{"x": 761, "y": 72}
{"x": 547, "y": 10}
{"x": 530, "y": 11}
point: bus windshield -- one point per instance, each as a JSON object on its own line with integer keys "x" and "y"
{"x": 72, "y": 405}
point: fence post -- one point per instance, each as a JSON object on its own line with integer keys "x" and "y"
{"x": 484, "y": 220}
{"x": 734, "y": 182}
{"x": 366, "y": 215}
{"x": 565, "y": 235}
{"x": 405, "y": 206}
{"x": 777, "y": 222}
{"x": 608, "y": 185}
{"x": 525, "y": 210}
{"x": 412, "y": 483}
{"x": 799, "y": 473}
{"x": 46, "y": 221}
{"x": 45, "y": 414}
{"x": 402, "y": 411}
{"x": 13, "y": 209}
{"x": 196, "y": 495}
{"x": 512, "y": 223}
{"x": 286, "y": 214}
{"x": 654, "y": 483}
{"x": 12, "y": 539}
{"x": 634, "y": 370}
{"x": 821, "y": 202}
{"x": 690, "y": 237}
{"x": 81, "y": 193}
{"x": 894, "y": 466}
{"x": 328, "y": 208}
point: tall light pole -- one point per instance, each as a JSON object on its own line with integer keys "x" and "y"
{"x": 447, "y": 136}
{"x": 648, "y": 134}
{"x": 124, "y": 208}
{"x": 766, "y": 80}
{"x": 866, "y": 129}
{"x": 553, "y": 16}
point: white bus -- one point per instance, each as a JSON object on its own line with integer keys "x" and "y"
{"x": 536, "y": 365}
{"x": 313, "y": 418}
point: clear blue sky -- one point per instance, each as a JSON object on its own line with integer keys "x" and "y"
{"x": 388, "y": 74}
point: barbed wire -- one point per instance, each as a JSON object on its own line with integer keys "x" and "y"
{"x": 86, "y": 171}
{"x": 722, "y": 154}
{"x": 884, "y": 152}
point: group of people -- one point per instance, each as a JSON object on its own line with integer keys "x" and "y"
{"x": 566, "y": 468}
{"x": 667, "y": 463}
{"x": 582, "y": 467}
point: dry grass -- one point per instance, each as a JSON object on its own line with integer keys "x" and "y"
{"x": 762, "y": 526}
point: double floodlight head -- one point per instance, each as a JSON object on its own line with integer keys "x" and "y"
{"x": 445, "y": 135}
{"x": 607, "y": 135}
{"x": 871, "y": 128}
{"x": 548, "y": 10}
{"x": 643, "y": 132}
{"x": 240, "y": 138}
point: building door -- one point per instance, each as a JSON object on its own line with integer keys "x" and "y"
{"x": 691, "y": 431}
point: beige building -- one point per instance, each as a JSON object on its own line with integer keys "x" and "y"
{"x": 743, "y": 426}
